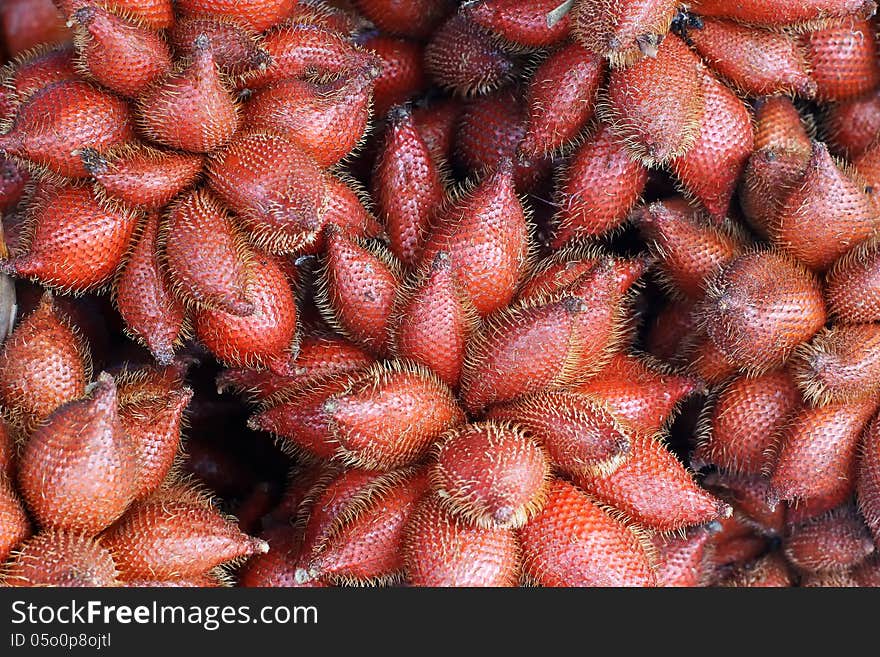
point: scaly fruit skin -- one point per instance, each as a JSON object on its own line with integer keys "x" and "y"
{"x": 868, "y": 479}
{"x": 79, "y": 116}
{"x": 657, "y": 104}
{"x": 29, "y": 73}
{"x": 78, "y": 470}
{"x": 442, "y": 550}
{"x": 157, "y": 14}
{"x": 682, "y": 559}
{"x": 757, "y": 62}
{"x": 835, "y": 541}
{"x": 59, "y": 557}
{"x": 852, "y": 126}
{"x": 521, "y": 22}
{"x": 490, "y": 474}
{"x": 623, "y": 31}
{"x": 598, "y": 188}
{"x": 760, "y": 307}
{"x": 143, "y": 296}
{"x": 843, "y": 59}
{"x": 403, "y": 75}
{"x": 573, "y": 542}
{"x": 256, "y": 14}
{"x": 776, "y": 13}
{"x": 852, "y": 286}
{"x": 14, "y": 524}
{"x": 653, "y": 488}
{"x": 44, "y": 364}
{"x": 235, "y": 47}
{"x": 416, "y": 19}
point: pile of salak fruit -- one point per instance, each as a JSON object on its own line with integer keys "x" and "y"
{"x": 437, "y": 293}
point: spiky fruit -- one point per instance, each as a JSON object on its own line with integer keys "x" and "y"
{"x": 623, "y": 31}
{"x": 236, "y": 48}
{"x": 770, "y": 571}
{"x": 852, "y": 125}
{"x": 561, "y": 99}
{"x": 757, "y": 62}
{"x": 175, "y": 533}
{"x": 443, "y": 550}
{"x": 760, "y": 307}
{"x": 157, "y": 14}
{"x": 59, "y": 557}
{"x": 205, "y": 255}
{"x": 835, "y": 541}
{"x": 408, "y": 186}
{"x": 436, "y": 124}
{"x": 573, "y": 542}
{"x": 774, "y": 13}
{"x": 43, "y": 364}
{"x": 598, "y": 188}
{"x": 744, "y": 421}
{"x": 29, "y": 73}
{"x": 652, "y": 487}
{"x": 276, "y": 187}
{"x": 78, "y": 470}
{"x": 525, "y": 23}
{"x": 868, "y": 478}
{"x": 490, "y": 475}
{"x": 14, "y": 524}
{"x": 657, "y": 104}
{"x": 579, "y": 434}
{"x": 256, "y": 14}
{"x": 121, "y": 55}
{"x": 77, "y": 240}
{"x": 143, "y": 296}
{"x": 486, "y": 238}
{"x": 463, "y": 57}
{"x": 852, "y": 286}
{"x": 416, "y": 19}
{"x": 403, "y": 75}
{"x": 80, "y": 116}
{"x": 682, "y": 559}
{"x": 843, "y": 59}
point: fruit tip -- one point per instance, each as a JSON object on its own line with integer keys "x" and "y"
{"x": 83, "y": 15}
{"x": 258, "y": 546}
{"x": 201, "y": 43}
{"x": 93, "y": 161}
{"x": 398, "y": 114}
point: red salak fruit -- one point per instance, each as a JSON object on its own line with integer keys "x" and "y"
{"x": 358, "y": 286}
{"x": 777, "y": 13}
{"x": 389, "y": 416}
{"x": 156, "y": 14}
{"x": 770, "y": 571}
{"x": 867, "y": 167}
{"x": 688, "y": 248}
{"x": 464, "y": 58}
{"x": 623, "y": 31}
{"x": 754, "y": 61}
{"x": 79, "y": 116}
{"x": 667, "y": 336}
{"x": 835, "y": 541}
{"x": 407, "y": 186}
{"x": 710, "y": 169}
{"x": 639, "y": 391}
{"x": 433, "y": 321}
{"x": 597, "y": 188}
{"x": 436, "y": 123}
{"x": 175, "y": 533}
{"x": 852, "y": 286}
{"x": 296, "y": 50}
{"x": 824, "y": 191}
{"x": 275, "y": 186}
{"x": 344, "y": 211}
{"x": 760, "y": 307}
{"x": 256, "y": 14}
{"x": 123, "y": 56}
{"x": 264, "y": 338}
{"x": 489, "y": 132}
{"x": 748, "y": 494}
{"x": 8, "y": 451}
{"x": 44, "y": 364}
{"x": 63, "y": 558}
{"x": 364, "y": 543}
{"x": 14, "y": 524}
{"x": 706, "y": 361}
{"x": 681, "y": 559}
{"x": 402, "y": 71}
{"x": 743, "y": 422}
{"x": 76, "y": 240}
{"x": 191, "y": 109}
{"x": 580, "y": 434}
{"x": 319, "y": 356}
{"x": 327, "y": 120}
{"x": 657, "y": 104}
{"x": 441, "y": 549}
{"x": 574, "y": 542}
{"x": 523, "y": 22}
{"x": 32, "y": 71}
{"x": 486, "y": 237}
{"x": 490, "y": 474}
{"x": 779, "y": 124}
{"x": 817, "y": 457}
{"x": 141, "y": 176}
{"x": 29, "y": 23}
{"x": 143, "y": 296}
{"x": 654, "y": 489}
{"x": 204, "y": 252}
{"x": 236, "y": 48}
{"x": 853, "y": 125}
{"x": 560, "y": 270}
{"x": 561, "y": 98}
{"x": 843, "y": 59}
{"x": 548, "y": 342}
{"x": 840, "y": 364}
{"x": 78, "y": 470}
{"x": 409, "y": 18}
{"x": 868, "y": 478}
